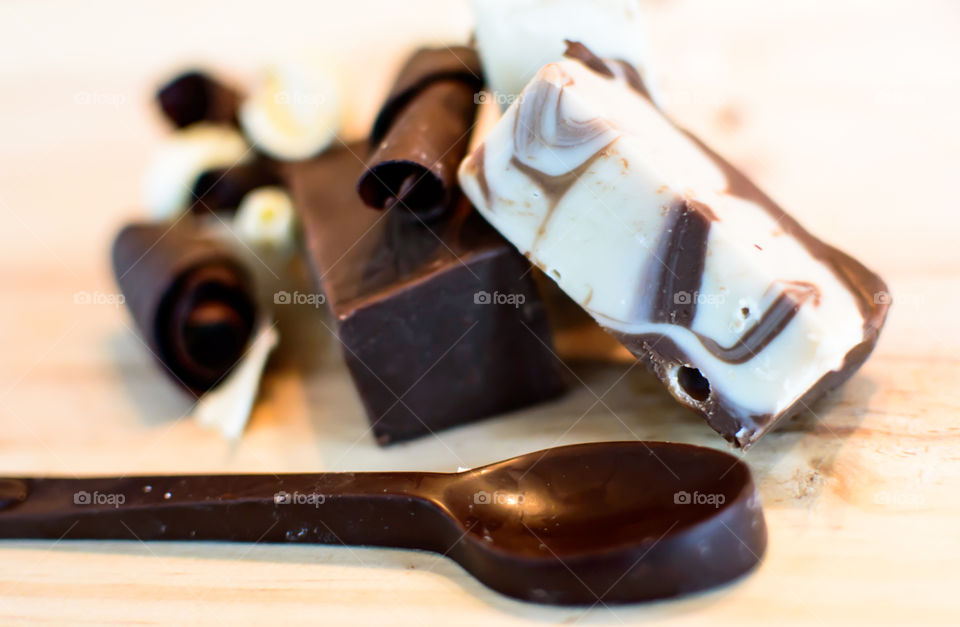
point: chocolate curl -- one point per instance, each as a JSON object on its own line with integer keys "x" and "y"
{"x": 196, "y": 97}
{"x": 190, "y": 297}
{"x": 422, "y": 132}
{"x": 223, "y": 189}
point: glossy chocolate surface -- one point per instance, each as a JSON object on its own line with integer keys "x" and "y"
{"x": 614, "y": 522}
{"x": 425, "y": 343}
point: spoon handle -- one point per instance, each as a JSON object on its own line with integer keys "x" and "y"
{"x": 331, "y": 508}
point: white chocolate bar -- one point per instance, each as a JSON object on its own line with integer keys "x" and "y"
{"x": 742, "y": 314}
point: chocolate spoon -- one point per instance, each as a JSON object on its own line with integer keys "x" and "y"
{"x": 608, "y": 522}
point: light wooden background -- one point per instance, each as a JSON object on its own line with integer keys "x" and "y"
{"x": 846, "y": 111}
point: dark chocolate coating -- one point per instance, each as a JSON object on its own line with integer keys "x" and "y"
{"x": 422, "y": 132}
{"x": 615, "y": 522}
{"x": 195, "y": 96}
{"x": 190, "y": 297}
{"x": 223, "y": 189}
{"x": 423, "y": 353}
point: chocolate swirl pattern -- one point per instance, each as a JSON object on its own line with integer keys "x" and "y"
{"x": 773, "y": 321}
{"x": 548, "y": 139}
{"x": 551, "y": 148}
{"x": 744, "y": 316}
{"x": 682, "y": 253}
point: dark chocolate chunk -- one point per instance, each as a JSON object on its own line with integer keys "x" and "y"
{"x": 614, "y": 522}
{"x": 191, "y": 298}
{"x": 197, "y": 97}
{"x": 223, "y": 189}
{"x": 422, "y": 133}
{"x": 441, "y": 325}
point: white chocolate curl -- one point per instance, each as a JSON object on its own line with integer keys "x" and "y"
{"x": 182, "y": 158}
{"x": 295, "y": 111}
{"x": 266, "y": 218}
{"x": 227, "y": 407}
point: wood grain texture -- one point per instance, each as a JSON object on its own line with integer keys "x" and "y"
{"x": 845, "y": 111}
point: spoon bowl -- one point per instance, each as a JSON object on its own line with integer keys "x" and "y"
{"x": 610, "y": 522}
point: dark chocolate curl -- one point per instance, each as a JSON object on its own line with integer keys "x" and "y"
{"x": 422, "y": 132}
{"x": 223, "y": 189}
{"x": 191, "y": 299}
{"x": 197, "y": 97}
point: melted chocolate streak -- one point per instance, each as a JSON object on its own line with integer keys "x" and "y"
{"x": 682, "y": 257}
{"x": 528, "y": 131}
{"x": 615, "y": 68}
{"x": 553, "y": 187}
{"x": 771, "y": 324}
{"x": 529, "y": 123}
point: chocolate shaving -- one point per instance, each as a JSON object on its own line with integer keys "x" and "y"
{"x": 197, "y": 97}
{"x": 222, "y": 189}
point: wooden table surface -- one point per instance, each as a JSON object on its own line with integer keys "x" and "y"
{"x": 845, "y": 111}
